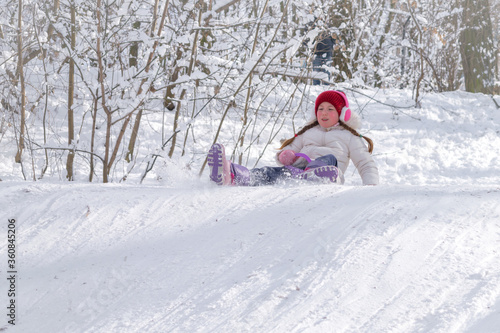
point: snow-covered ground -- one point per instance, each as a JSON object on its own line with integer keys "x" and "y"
{"x": 418, "y": 253}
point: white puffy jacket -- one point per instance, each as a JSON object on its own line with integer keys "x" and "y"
{"x": 336, "y": 140}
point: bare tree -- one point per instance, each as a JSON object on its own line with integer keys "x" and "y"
{"x": 249, "y": 89}
{"x": 135, "y": 131}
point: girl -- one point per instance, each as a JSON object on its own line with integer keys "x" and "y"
{"x": 319, "y": 151}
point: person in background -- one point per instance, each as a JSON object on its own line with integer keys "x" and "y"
{"x": 323, "y": 51}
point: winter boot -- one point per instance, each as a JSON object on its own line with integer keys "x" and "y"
{"x": 294, "y": 172}
{"x": 220, "y": 168}
{"x": 240, "y": 175}
{"x": 323, "y": 174}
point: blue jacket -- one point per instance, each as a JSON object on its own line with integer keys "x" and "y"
{"x": 324, "y": 43}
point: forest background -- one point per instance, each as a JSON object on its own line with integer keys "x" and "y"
{"x": 104, "y": 90}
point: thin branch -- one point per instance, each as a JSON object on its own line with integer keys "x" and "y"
{"x": 71, "y": 149}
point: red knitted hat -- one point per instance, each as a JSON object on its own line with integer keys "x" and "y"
{"x": 333, "y": 97}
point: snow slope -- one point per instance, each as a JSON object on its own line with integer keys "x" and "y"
{"x": 418, "y": 253}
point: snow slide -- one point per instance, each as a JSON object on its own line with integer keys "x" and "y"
{"x": 288, "y": 258}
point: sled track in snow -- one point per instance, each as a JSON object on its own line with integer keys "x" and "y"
{"x": 285, "y": 258}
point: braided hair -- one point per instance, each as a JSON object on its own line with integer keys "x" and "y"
{"x": 315, "y": 123}
{"x": 302, "y": 131}
{"x": 355, "y": 133}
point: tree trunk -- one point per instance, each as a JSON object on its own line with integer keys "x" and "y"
{"x": 105, "y": 163}
{"x": 176, "y": 122}
{"x": 92, "y": 136}
{"x": 134, "y": 49}
{"x": 71, "y": 90}
{"x": 380, "y": 53}
{"x": 20, "y": 65}
{"x": 55, "y": 9}
{"x": 477, "y": 48}
{"x": 337, "y": 15}
{"x": 133, "y": 137}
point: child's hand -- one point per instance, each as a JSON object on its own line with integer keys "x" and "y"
{"x": 287, "y": 157}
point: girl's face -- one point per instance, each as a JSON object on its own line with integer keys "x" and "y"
{"x": 327, "y": 115}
